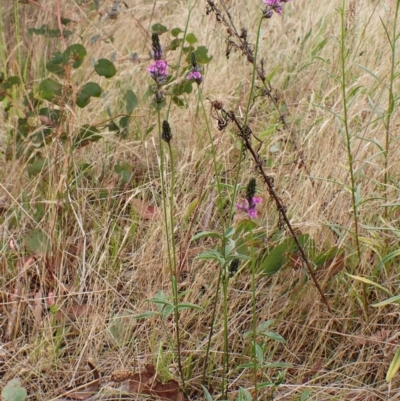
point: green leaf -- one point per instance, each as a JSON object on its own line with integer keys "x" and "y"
{"x": 75, "y": 53}
{"x": 391, "y": 300}
{"x": 105, "y": 68}
{"x": 259, "y": 354}
{"x": 325, "y": 256}
{"x": 388, "y": 258}
{"x": 188, "y": 305}
{"x": 124, "y": 125}
{"x": 86, "y": 135}
{"x": 207, "y": 394}
{"x": 90, "y": 89}
{"x": 367, "y": 281}
{"x": 159, "y": 28}
{"x": 191, "y": 38}
{"x": 178, "y": 101}
{"x": 131, "y": 101}
{"x": 37, "y": 242}
{"x": 277, "y": 258}
{"x": 202, "y": 56}
{"x": 204, "y": 234}
{"x": 394, "y": 366}
{"x": 175, "y": 43}
{"x": 273, "y": 336}
{"x": 14, "y": 80}
{"x": 264, "y": 325}
{"x": 50, "y": 89}
{"x": 244, "y": 395}
{"x": 124, "y": 170}
{"x": 175, "y": 32}
{"x": 229, "y": 232}
{"x": 36, "y": 167}
{"x": 160, "y": 301}
{"x": 55, "y": 69}
{"x": 211, "y": 254}
{"x": 13, "y": 391}
{"x": 146, "y": 315}
{"x": 185, "y": 86}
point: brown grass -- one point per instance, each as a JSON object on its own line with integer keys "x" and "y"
{"x": 340, "y": 356}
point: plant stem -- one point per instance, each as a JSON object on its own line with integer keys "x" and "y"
{"x": 391, "y": 101}
{"x": 254, "y": 311}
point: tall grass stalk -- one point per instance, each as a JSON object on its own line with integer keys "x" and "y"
{"x": 170, "y": 239}
{"x": 254, "y": 311}
{"x": 391, "y": 99}
{"x": 344, "y": 52}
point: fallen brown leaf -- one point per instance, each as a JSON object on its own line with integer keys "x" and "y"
{"x": 73, "y": 312}
{"x": 168, "y": 391}
{"x": 330, "y": 268}
{"x": 145, "y": 382}
{"x": 145, "y": 211}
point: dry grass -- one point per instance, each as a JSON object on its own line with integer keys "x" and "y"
{"x": 338, "y": 356}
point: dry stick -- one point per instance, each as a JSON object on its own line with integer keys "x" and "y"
{"x": 245, "y": 133}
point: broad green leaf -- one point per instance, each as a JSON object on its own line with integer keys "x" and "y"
{"x": 244, "y": 395}
{"x": 264, "y": 325}
{"x": 86, "y": 135}
{"x": 273, "y": 336}
{"x": 175, "y": 43}
{"x": 211, "y": 254}
{"x": 131, "y": 101}
{"x": 105, "y": 68}
{"x": 57, "y": 69}
{"x": 175, "y": 32}
{"x": 191, "y": 38}
{"x": 202, "y": 56}
{"x": 207, "y": 394}
{"x": 259, "y": 354}
{"x": 38, "y": 242}
{"x": 86, "y": 92}
{"x": 394, "y": 366}
{"x": 178, "y": 101}
{"x": 324, "y": 256}
{"x": 50, "y": 89}
{"x": 277, "y": 258}
{"x": 75, "y": 53}
{"x": 159, "y": 28}
{"x": 229, "y": 232}
{"x": 13, "y": 391}
{"x": 124, "y": 125}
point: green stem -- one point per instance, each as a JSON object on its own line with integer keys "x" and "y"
{"x": 391, "y": 101}
{"x": 343, "y": 53}
{"x": 254, "y": 311}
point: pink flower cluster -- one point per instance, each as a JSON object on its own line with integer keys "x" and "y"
{"x": 250, "y": 207}
{"x": 275, "y": 5}
{"x": 158, "y": 71}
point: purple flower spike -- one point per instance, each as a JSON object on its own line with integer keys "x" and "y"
{"x": 275, "y": 5}
{"x": 158, "y": 71}
{"x": 250, "y": 207}
{"x": 195, "y": 75}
